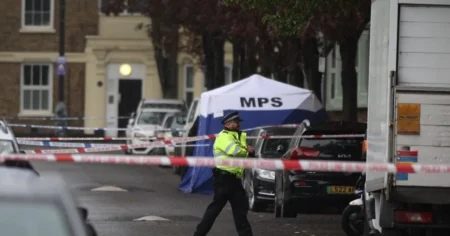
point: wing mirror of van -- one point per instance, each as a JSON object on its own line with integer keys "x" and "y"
{"x": 130, "y": 121}
{"x": 22, "y": 152}
{"x": 181, "y": 120}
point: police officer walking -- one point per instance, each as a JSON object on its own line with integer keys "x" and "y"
{"x": 230, "y": 142}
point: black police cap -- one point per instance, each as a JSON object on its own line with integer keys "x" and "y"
{"x": 231, "y": 117}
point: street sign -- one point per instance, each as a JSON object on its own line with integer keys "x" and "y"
{"x": 61, "y": 66}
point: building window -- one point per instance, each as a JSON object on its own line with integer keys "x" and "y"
{"x": 129, "y": 7}
{"x": 188, "y": 84}
{"x": 36, "y": 88}
{"x": 37, "y": 14}
{"x": 228, "y": 74}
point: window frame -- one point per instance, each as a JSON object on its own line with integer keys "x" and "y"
{"x": 187, "y": 90}
{"x": 49, "y": 87}
{"x": 50, "y": 28}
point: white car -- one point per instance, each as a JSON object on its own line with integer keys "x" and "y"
{"x": 159, "y": 104}
{"x": 173, "y": 124}
{"x": 8, "y": 144}
{"x": 144, "y": 127}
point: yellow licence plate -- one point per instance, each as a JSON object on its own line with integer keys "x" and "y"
{"x": 341, "y": 189}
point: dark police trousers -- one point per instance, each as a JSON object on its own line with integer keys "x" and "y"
{"x": 227, "y": 187}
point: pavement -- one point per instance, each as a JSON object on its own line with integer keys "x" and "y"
{"x": 144, "y": 200}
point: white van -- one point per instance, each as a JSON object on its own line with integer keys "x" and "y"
{"x": 147, "y": 119}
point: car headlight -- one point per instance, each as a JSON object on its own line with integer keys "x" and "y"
{"x": 266, "y": 174}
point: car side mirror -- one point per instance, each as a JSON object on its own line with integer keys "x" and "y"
{"x": 131, "y": 121}
{"x": 83, "y": 213}
{"x": 181, "y": 120}
{"x": 22, "y": 152}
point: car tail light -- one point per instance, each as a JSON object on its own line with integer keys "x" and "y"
{"x": 413, "y": 217}
{"x": 304, "y": 152}
{"x": 300, "y": 184}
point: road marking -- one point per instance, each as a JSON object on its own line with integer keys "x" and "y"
{"x": 151, "y": 218}
{"x": 109, "y": 189}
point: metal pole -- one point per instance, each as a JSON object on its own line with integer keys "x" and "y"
{"x": 60, "y": 108}
{"x": 62, "y": 33}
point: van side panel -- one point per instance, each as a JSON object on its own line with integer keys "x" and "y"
{"x": 424, "y": 46}
{"x": 432, "y": 142}
{"x": 379, "y": 92}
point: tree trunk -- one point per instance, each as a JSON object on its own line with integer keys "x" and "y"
{"x": 219, "y": 62}
{"x": 243, "y": 68}
{"x": 171, "y": 89}
{"x": 166, "y": 65}
{"x": 311, "y": 66}
{"x": 349, "y": 79}
{"x": 281, "y": 75}
{"x": 250, "y": 60}
{"x": 296, "y": 77}
{"x": 266, "y": 57}
{"x": 156, "y": 35}
{"x": 237, "y": 49}
{"x": 208, "y": 60}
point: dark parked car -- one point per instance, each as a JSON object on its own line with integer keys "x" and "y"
{"x": 297, "y": 190}
{"x": 259, "y": 183}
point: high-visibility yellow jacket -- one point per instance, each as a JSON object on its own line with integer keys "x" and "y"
{"x": 231, "y": 144}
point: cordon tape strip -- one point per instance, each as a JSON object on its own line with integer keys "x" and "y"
{"x": 84, "y": 128}
{"x": 158, "y": 143}
{"x": 173, "y": 141}
{"x": 85, "y": 145}
{"x": 63, "y": 118}
{"x": 121, "y": 129}
{"x": 212, "y": 136}
{"x": 305, "y": 165}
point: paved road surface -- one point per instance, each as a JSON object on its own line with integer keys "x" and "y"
{"x": 152, "y": 191}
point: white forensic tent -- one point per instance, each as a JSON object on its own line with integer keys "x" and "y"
{"x": 260, "y": 101}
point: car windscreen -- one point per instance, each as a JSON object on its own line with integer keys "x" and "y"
{"x": 150, "y": 118}
{"x": 6, "y": 146}
{"x": 163, "y": 106}
{"x": 32, "y": 219}
{"x": 274, "y": 148}
{"x": 335, "y": 146}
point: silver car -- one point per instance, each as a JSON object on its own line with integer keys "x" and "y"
{"x": 39, "y": 206}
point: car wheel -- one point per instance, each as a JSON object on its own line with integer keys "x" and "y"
{"x": 255, "y": 205}
{"x": 351, "y": 222}
{"x": 288, "y": 210}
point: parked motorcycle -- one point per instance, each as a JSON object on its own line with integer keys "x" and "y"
{"x": 353, "y": 216}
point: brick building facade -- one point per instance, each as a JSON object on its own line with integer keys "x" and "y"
{"x": 28, "y": 51}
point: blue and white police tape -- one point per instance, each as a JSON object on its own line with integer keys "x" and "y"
{"x": 89, "y": 128}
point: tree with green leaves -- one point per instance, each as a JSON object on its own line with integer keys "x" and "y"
{"x": 321, "y": 23}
